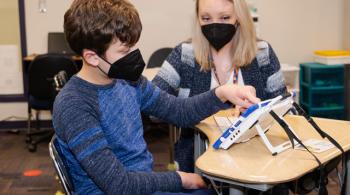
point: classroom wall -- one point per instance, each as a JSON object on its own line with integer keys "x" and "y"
{"x": 346, "y": 24}
{"x": 164, "y": 25}
{"x": 10, "y": 35}
{"x": 10, "y": 26}
{"x": 11, "y": 81}
{"x": 295, "y": 28}
{"x": 39, "y": 24}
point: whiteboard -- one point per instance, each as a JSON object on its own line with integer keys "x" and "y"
{"x": 11, "y": 76}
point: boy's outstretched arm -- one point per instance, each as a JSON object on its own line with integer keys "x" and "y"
{"x": 186, "y": 112}
{"x": 79, "y": 130}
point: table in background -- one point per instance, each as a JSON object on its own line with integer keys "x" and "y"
{"x": 149, "y": 73}
{"x": 28, "y": 59}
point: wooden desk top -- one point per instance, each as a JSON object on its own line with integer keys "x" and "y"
{"x": 252, "y": 162}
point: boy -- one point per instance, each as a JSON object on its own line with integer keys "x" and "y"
{"x": 97, "y": 114}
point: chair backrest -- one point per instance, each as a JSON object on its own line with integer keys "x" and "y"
{"x": 60, "y": 167}
{"x": 158, "y": 57}
{"x": 42, "y": 70}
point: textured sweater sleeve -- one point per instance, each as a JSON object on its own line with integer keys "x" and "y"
{"x": 78, "y": 125}
{"x": 169, "y": 76}
{"x": 184, "y": 112}
{"x": 275, "y": 82}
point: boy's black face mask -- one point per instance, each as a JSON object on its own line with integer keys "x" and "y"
{"x": 219, "y": 34}
{"x": 128, "y": 68}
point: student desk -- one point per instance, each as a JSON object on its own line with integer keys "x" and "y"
{"x": 251, "y": 164}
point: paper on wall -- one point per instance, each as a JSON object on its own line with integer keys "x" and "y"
{"x": 11, "y": 79}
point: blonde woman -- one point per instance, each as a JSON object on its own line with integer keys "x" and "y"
{"x": 223, "y": 49}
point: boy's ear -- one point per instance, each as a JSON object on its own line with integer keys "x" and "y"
{"x": 91, "y": 57}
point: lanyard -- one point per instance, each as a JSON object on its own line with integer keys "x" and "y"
{"x": 234, "y": 79}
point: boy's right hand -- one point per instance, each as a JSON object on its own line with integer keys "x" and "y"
{"x": 191, "y": 180}
{"x": 242, "y": 96}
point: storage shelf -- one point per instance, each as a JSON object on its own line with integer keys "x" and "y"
{"x": 322, "y": 90}
{"x": 329, "y": 88}
{"x": 336, "y": 108}
{"x": 321, "y": 109}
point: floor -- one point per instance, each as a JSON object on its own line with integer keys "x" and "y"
{"x": 15, "y": 160}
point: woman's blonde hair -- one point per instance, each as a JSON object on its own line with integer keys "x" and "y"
{"x": 244, "y": 41}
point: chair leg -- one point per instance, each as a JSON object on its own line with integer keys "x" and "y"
{"x": 48, "y": 135}
{"x": 172, "y": 130}
{"x": 172, "y": 166}
{"x": 32, "y": 145}
{"x": 28, "y": 137}
{"x": 37, "y": 120}
{"x": 33, "y": 138}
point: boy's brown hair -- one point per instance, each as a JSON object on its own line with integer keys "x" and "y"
{"x": 94, "y": 24}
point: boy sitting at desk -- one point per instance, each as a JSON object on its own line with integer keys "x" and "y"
{"x": 97, "y": 114}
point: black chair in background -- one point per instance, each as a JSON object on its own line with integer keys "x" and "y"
{"x": 158, "y": 57}
{"x": 42, "y": 91}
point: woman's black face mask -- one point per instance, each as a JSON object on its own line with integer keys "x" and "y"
{"x": 128, "y": 68}
{"x": 219, "y": 34}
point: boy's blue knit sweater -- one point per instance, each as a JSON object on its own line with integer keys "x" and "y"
{"x": 100, "y": 133}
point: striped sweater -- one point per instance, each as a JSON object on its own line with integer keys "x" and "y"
{"x": 100, "y": 133}
{"x": 180, "y": 74}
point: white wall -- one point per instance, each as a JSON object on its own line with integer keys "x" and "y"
{"x": 13, "y": 109}
{"x": 296, "y": 28}
{"x": 39, "y": 24}
{"x": 347, "y": 25}
{"x": 164, "y": 25}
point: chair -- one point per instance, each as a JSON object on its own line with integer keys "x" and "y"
{"x": 60, "y": 166}
{"x": 41, "y": 92}
{"x": 158, "y": 57}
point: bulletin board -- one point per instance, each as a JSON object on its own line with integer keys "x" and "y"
{"x": 12, "y": 49}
